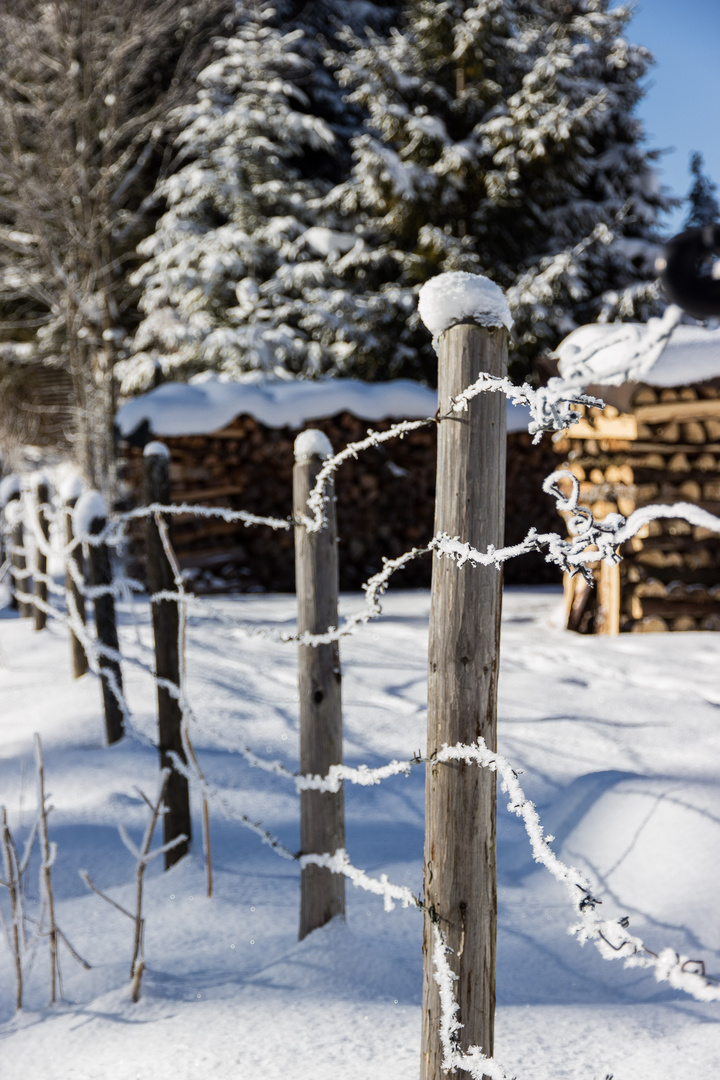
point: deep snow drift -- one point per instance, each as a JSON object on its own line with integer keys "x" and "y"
{"x": 619, "y": 740}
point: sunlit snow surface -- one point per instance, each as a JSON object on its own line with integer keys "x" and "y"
{"x": 619, "y": 740}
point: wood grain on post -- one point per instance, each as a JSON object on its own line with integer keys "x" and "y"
{"x": 166, "y": 629}
{"x": 75, "y": 557}
{"x": 41, "y": 563}
{"x": 607, "y": 615}
{"x": 322, "y": 814}
{"x": 100, "y": 573}
{"x": 460, "y": 870}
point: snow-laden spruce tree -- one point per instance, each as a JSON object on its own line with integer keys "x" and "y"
{"x": 239, "y": 273}
{"x": 501, "y": 138}
{"x": 497, "y": 136}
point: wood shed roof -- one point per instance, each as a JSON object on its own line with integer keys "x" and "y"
{"x": 654, "y": 353}
{"x": 210, "y": 404}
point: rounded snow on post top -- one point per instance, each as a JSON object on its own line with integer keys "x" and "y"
{"x": 457, "y": 297}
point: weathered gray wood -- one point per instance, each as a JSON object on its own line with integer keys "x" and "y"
{"x": 22, "y": 582}
{"x": 166, "y": 625}
{"x": 460, "y": 875}
{"x": 100, "y": 573}
{"x": 77, "y": 652}
{"x": 41, "y": 589}
{"x": 322, "y": 814}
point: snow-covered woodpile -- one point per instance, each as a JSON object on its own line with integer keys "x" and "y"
{"x": 244, "y": 456}
{"x": 656, "y": 442}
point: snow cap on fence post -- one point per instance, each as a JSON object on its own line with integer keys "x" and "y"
{"x": 156, "y": 449}
{"x": 90, "y": 507}
{"x": 458, "y": 297}
{"x": 312, "y": 443}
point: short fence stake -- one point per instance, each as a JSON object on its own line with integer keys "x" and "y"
{"x": 42, "y": 495}
{"x": 72, "y": 589}
{"x": 100, "y": 567}
{"x": 322, "y": 814}
{"x": 19, "y": 575}
{"x": 166, "y": 626}
{"x": 460, "y": 872}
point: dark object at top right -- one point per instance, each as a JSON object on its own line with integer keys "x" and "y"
{"x": 686, "y": 271}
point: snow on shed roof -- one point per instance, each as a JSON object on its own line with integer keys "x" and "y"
{"x": 209, "y": 404}
{"x": 610, "y": 354}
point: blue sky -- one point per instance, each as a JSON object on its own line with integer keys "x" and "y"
{"x": 681, "y": 109}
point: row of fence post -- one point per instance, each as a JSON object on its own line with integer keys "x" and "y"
{"x": 460, "y": 876}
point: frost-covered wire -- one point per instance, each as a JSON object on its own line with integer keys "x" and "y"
{"x": 373, "y": 590}
{"x": 317, "y": 497}
{"x": 473, "y": 1060}
{"x": 590, "y": 541}
{"x": 550, "y": 407}
{"x": 339, "y": 863}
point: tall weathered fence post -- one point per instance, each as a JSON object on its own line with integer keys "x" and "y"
{"x": 89, "y": 519}
{"x": 166, "y": 627}
{"x": 42, "y": 496}
{"x": 322, "y": 814}
{"x": 460, "y": 873}
{"x": 74, "y": 560}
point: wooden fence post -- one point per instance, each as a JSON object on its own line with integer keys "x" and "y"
{"x": 19, "y": 573}
{"x": 166, "y": 627}
{"x": 460, "y": 871}
{"x": 75, "y": 559}
{"x": 42, "y": 496}
{"x": 89, "y": 519}
{"x": 322, "y": 814}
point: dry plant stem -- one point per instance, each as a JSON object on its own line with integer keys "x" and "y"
{"x": 137, "y": 959}
{"x": 12, "y": 884}
{"x": 47, "y": 858}
{"x": 164, "y": 534}
{"x": 143, "y": 856}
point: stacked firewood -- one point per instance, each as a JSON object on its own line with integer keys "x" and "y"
{"x": 385, "y": 504}
{"x": 653, "y": 446}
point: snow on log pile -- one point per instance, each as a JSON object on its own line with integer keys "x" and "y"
{"x": 657, "y": 441}
{"x": 231, "y": 444}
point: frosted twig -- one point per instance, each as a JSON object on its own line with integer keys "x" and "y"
{"x": 142, "y": 855}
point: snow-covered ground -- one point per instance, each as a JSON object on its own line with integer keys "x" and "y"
{"x": 619, "y": 740}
